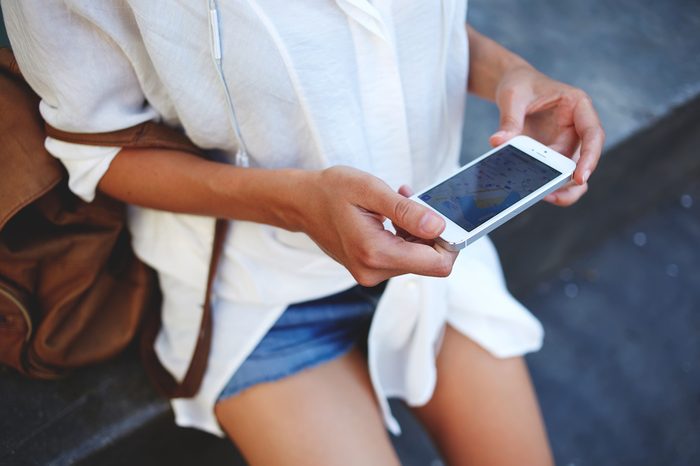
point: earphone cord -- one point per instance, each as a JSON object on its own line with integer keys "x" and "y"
{"x": 242, "y": 158}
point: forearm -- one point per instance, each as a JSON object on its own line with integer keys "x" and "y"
{"x": 340, "y": 208}
{"x": 488, "y": 62}
{"x": 181, "y": 182}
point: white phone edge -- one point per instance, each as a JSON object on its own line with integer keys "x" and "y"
{"x": 533, "y": 149}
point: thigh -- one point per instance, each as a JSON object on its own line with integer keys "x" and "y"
{"x": 324, "y": 415}
{"x": 484, "y": 410}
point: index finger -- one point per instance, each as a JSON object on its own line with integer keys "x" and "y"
{"x": 588, "y": 127}
{"x": 403, "y": 256}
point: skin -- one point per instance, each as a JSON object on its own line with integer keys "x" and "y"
{"x": 530, "y": 103}
{"x": 483, "y": 411}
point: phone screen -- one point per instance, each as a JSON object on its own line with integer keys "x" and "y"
{"x": 488, "y": 187}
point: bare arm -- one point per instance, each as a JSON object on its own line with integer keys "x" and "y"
{"x": 555, "y": 113}
{"x": 180, "y": 182}
{"x": 488, "y": 63}
{"x": 340, "y": 208}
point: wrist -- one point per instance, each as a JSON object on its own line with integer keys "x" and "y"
{"x": 490, "y": 65}
{"x": 514, "y": 74}
{"x": 510, "y": 74}
{"x": 270, "y": 196}
{"x": 291, "y": 199}
{"x": 512, "y": 63}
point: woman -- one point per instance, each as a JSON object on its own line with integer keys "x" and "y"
{"x": 317, "y": 113}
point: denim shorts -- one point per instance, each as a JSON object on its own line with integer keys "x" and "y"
{"x": 306, "y": 335}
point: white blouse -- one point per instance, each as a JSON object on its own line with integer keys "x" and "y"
{"x": 378, "y": 85}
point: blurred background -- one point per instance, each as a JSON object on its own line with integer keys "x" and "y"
{"x": 614, "y": 279}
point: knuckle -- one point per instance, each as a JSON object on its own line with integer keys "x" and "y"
{"x": 402, "y": 211}
{"x": 594, "y": 131}
{"x": 580, "y": 95}
{"x": 362, "y": 254}
{"x": 366, "y": 278}
{"x": 361, "y": 278}
{"x": 373, "y": 262}
{"x": 336, "y": 175}
{"x": 334, "y": 171}
{"x": 368, "y": 256}
{"x": 368, "y": 185}
{"x": 445, "y": 267}
{"x": 574, "y": 96}
{"x": 589, "y": 133}
{"x": 377, "y": 259}
{"x": 600, "y": 134}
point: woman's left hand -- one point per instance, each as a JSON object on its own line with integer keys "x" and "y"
{"x": 556, "y": 114}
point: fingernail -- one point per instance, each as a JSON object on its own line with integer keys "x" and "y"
{"x": 550, "y": 198}
{"x": 586, "y": 174}
{"x": 499, "y": 134}
{"x": 431, "y": 224}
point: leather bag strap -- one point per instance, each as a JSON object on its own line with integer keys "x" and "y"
{"x": 159, "y": 136}
{"x": 148, "y": 135}
{"x": 162, "y": 378}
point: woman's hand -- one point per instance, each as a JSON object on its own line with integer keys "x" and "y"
{"x": 555, "y": 114}
{"x": 343, "y": 211}
{"x": 340, "y": 208}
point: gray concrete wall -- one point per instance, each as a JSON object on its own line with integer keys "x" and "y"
{"x": 4, "y": 41}
{"x": 636, "y": 58}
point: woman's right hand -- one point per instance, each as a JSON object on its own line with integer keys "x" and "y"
{"x": 343, "y": 209}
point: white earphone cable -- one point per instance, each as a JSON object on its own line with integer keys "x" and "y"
{"x": 242, "y": 158}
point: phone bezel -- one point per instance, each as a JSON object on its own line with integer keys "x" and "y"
{"x": 455, "y": 237}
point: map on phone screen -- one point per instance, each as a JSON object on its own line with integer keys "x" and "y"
{"x": 488, "y": 187}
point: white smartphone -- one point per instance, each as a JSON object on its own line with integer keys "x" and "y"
{"x": 494, "y": 188}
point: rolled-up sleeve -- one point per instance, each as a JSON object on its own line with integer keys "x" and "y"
{"x": 85, "y": 81}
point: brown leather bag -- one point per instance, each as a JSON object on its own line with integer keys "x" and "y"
{"x": 72, "y": 292}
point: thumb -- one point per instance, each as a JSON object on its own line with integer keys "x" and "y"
{"x": 407, "y": 214}
{"x": 513, "y": 109}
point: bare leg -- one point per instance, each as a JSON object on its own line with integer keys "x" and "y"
{"x": 326, "y": 415}
{"x": 484, "y": 411}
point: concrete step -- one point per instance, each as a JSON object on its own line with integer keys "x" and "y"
{"x": 640, "y": 63}
{"x": 619, "y": 375}
{"x": 632, "y": 178}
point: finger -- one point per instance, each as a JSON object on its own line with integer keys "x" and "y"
{"x": 513, "y": 107}
{"x": 416, "y": 219}
{"x": 577, "y": 154}
{"x": 405, "y": 191}
{"x": 588, "y": 127}
{"x": 422, "y": 259}
{"x": 567, "y": 196}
